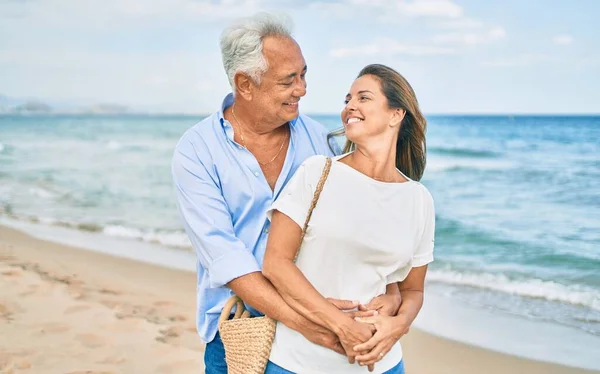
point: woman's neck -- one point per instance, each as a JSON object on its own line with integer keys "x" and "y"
{"x": 378, "y": 163}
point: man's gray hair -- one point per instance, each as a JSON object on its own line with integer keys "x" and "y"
{"x": 242, "y": 44}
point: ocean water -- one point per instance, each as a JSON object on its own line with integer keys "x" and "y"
{"x": 517, "y": 199}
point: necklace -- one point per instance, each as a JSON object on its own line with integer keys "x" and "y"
{"x": 244, "y": 142}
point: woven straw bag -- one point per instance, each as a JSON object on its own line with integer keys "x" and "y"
{"x": 248, "y": 341}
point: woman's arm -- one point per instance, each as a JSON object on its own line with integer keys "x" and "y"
{"x": 298, "y": 292}
{"x": 391, "y": 329}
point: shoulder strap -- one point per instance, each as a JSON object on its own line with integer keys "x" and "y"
{"x": 315, "y": 199}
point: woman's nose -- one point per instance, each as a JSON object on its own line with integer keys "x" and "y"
{"x": 350, "y": 105}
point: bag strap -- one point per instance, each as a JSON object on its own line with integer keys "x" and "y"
{"x": 235, "y": 300}
{"x": 313, "y": 204}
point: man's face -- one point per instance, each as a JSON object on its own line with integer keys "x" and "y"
{"x": 283, "y": 84}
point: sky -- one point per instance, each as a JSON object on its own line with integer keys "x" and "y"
{"x": 460, "y": 56}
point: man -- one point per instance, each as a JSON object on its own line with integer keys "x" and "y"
{"x": 229, "y": 168}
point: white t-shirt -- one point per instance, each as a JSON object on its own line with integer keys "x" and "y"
{"x": 363, "y": 235}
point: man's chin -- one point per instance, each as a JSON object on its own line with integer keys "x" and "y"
{"x": 291, "y": 115}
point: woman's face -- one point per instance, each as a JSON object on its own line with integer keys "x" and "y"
{"x": 366, "y": 114}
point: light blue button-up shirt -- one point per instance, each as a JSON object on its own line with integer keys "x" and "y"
{"x": 223, "y": 197}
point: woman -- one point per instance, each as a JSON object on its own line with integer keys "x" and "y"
{"x": 373, "y": 225}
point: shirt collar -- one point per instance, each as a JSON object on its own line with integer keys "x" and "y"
{"x": 229, "y": 100}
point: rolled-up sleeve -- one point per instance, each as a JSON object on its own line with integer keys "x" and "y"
{"x": 207, "y": 219}
{"x": 424, "y": 253}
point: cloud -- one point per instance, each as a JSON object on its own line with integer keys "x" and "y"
{"x": 461, "y": 23}
{"x": 516, "y": 61}
{"x": 563, "y": 40}
{"x": 388, "y": 47}
{"x": 430, "y": 8}
{"x": 391, "y": 10}
{"x": 494, "y": 34}
{"x": 118, "y": 14}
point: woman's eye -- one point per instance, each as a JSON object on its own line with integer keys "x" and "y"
{"x": 364, "y": 98}
{"x": 346, "y": 101}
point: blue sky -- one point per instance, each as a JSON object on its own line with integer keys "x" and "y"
{"x": 532, "y": 56}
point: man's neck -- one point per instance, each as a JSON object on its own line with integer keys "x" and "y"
{"x": 252, "y": 125}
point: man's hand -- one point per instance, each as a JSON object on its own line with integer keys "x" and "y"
{"x": 321, "y": 336}
{"x": 352, "y": 308}
{"x": 385, "y": 305}
{"x": 353, "y": 332}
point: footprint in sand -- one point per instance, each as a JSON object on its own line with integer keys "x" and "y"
{"x": 4, "y": 312}
{"x": 10, "y": 361}
{"x": 50, "y": 328}
{"x": 113, "y": 360}
{"x": 168, "y": 334}
{"x": 11, "y": 273}
{"x": 162, "y": 303}
{"x": 76, "y": 308}
{"x": 179, "y": 367}
{"x": 90, "y": 340}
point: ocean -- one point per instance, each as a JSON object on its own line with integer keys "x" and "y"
{"x": 517, "y": 200}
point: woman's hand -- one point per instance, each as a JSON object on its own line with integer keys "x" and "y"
{"x": 389, "y": 331}
{"x": 386, "y": 304}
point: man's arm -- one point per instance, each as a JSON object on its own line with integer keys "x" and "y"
{"x": 298, "y": 292}
{"x": 228, "y": 262}
{"x": 258, "y": 292}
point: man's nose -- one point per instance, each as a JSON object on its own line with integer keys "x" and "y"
{"x": 300, "y": 89}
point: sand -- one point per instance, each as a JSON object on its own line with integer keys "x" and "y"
{"x": 71, "y": 310}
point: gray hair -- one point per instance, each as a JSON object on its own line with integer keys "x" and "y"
{"x": 242, "y": 44}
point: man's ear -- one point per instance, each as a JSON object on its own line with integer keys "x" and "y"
{"x": 243, "y": 85}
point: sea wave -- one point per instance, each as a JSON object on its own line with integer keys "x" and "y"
{"x": 170, "y": 238}
{"x": 440, "y": 163}
{"x": 533, "y": 288}
{"x": 463, "y": 152}
{"x": 113, "y": 145}
{"x": 42, "y": 193}
{"x": 176, "y": 238}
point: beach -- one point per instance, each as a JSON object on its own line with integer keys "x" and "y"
{"x": 71, "y": 310}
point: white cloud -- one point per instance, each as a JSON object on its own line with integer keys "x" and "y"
{"x": 430, "y": 8}
{"x": 388, "y": 47}
{"x": 494, "y": 34}
{"x": 391, "y": 10}
{"x": 116, "y": 14}
{"x": 461, "y": 23}
{"x": 516, "y": 61}
{"x": 563, "y": 40}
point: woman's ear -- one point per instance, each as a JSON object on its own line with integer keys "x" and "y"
{"x": 397, "y": 117}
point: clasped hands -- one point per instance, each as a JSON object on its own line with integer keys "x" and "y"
{"x": 371, "y": 330}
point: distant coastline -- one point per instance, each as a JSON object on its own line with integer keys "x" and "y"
{"x": 11, "y": 106}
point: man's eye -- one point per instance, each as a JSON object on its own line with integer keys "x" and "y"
{"x": 287, "y": 84}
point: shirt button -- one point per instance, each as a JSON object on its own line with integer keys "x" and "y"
{"x": 240, "y": 147}
{"x": 256, "y": 173}
{"x": 266, "y": 231}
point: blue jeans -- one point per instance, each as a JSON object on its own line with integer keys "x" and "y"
{"x": 275, "y": 369}
{"x": 214, "y": 357}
